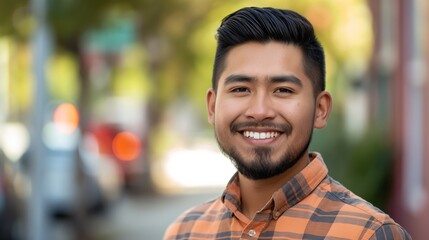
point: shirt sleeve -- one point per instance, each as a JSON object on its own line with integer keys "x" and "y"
{"x": 171, "y": 232}
{"x": 390, "y": 231}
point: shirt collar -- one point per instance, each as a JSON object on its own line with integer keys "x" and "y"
{"x": 292, "y": 192}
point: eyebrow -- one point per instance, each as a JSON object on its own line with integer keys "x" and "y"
{"x": 274, "y": 79}
{"x": 238, "y": 78}
{"x": 287, "y": 79}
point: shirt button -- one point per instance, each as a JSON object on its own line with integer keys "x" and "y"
{"x": 277, "y": 214}
{"x": 252, "y": 232}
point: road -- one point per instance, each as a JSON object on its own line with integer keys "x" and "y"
{"x": 143, "y": 217}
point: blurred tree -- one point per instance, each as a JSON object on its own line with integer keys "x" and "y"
{"x": 9, "y": 11}
{"x": 160, "y": 24}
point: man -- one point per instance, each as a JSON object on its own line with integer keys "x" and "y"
{"x": 268, "y": 93}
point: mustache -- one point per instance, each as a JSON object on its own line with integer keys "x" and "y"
{"x": 286, "y": 128}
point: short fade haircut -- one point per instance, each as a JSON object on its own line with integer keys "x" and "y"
{"x": 269, "y": 24}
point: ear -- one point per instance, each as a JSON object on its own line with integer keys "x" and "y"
{"x": 323, "y": 109}
{"x": 211, "y": 103}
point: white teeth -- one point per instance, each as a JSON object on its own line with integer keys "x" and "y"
{"x": 260, "y": 135}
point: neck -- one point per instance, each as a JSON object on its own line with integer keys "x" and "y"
{"x": 255, "y": 194}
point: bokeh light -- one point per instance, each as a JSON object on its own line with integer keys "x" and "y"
{"x": 126, "y": 146}
{"x": 66, "y": 117}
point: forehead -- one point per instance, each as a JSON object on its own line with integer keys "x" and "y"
{"x": 264, "y": 60}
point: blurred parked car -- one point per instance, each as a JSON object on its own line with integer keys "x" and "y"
{"x": 73, "y": 174}
{"x": 10, "y": 203}
{"x": 62, "y": 184}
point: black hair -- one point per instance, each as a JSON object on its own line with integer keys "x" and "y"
{"x": 270, "y": 24}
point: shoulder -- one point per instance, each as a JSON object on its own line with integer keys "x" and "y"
{"x": 390, "y": 231}
{"x": 355, "y": 212}
{"x": 205, "y": 214}
{"x": 335, "y": 193}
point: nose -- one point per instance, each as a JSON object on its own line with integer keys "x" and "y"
{"x": 260, "y": 107}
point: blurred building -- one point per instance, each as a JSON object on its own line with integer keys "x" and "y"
{"x": 400, "y": 93}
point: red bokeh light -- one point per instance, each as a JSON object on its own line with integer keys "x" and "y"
{"x": 126, "y": 146}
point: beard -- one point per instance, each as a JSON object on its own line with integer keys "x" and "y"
{"x": 263, "y": 166}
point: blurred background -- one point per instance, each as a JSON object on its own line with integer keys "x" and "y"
{"x": 103, "y": 127}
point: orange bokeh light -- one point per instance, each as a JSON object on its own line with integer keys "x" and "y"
{"x": 126, "y": 146}
{"x": 66, "y": 117}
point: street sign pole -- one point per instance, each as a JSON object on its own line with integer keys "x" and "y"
{"x": 37, "y": 221}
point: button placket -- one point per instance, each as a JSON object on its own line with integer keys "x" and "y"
{"x": 255, "y": 227}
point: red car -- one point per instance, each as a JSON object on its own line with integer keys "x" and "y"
{"x": 125, "y": 146}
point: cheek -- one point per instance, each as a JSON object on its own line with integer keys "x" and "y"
{"x": 299, "y": 112}
{"x": 307, "y": 114}
{"x": 227, "y": 110}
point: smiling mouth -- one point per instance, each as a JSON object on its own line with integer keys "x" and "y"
{"x": 260, "y": 135}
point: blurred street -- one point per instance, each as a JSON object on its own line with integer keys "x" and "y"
{"x": 141, "y": 217}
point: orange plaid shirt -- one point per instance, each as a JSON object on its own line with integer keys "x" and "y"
{"x": 311, "y": 205}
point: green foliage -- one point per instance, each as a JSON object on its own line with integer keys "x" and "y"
{"x": 10, "y": 14}
{"x": 62, "y": 77}
{"x": 363, "y": 165}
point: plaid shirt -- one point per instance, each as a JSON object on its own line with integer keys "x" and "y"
{"x": 311, "y": 205}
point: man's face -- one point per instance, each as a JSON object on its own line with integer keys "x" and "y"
{"x": 264, "y": 109}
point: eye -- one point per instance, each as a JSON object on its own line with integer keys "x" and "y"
{"x": 240, "y": 89}
{"x": 283, "y": 90}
